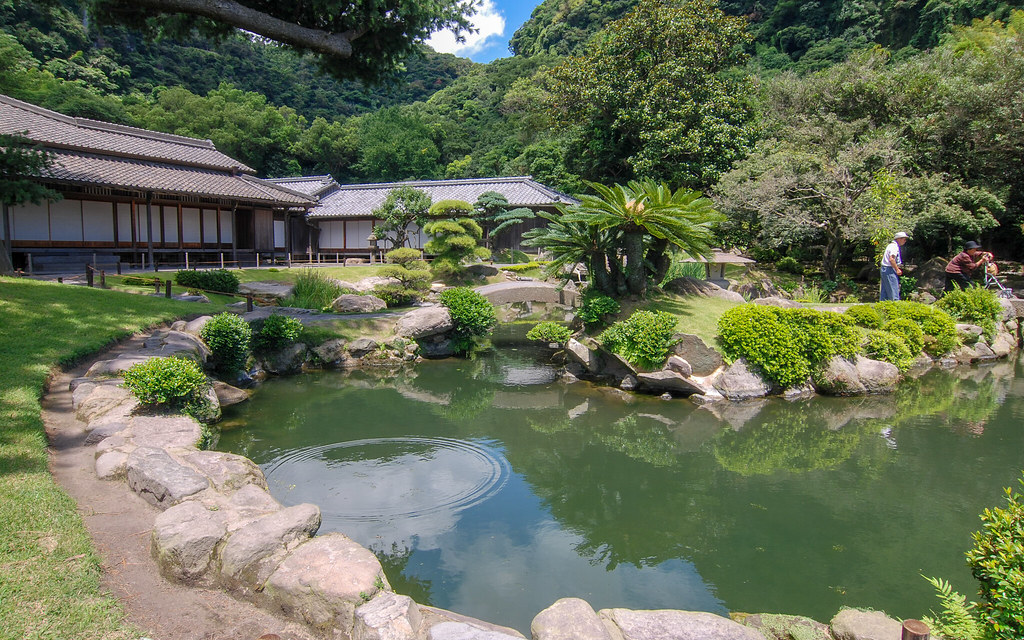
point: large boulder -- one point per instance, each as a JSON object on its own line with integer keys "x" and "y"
{"x": 1003, "y": 344}
{"x": 754, "y": 290}
{"x": 877, "y": 376}
{"x": 931, "y": 276}
{"x": 351, "y": 303}
{"x": 776, "y": 301}
{"x": 165, "y": 432}
{"x": 159, "y": 479}
{"x": 481, "y": 270}
{"x": 184, "y": 540}
{"x": 853, "y": 624}
{"x": 267, "y": 290}
{"x": 776, "y": 626}
{"x": 288, "y": 359}
{"x": 845, "y": 377}
{"x": 323, "y": 581}
{"x": 227, "y": 395}
{"x": 253, "y": 552}
{"x": 227, "y": 472}
{"x": 332, "y": 352}
{"x": 439, "y": 346}
{"x": 569, "y": 619}
{"x": 687, "y": 286}
{"x": 703, "y": 359}
{"x": 372, "y": 282}
{"x": 741, "y": 382}
{"x": 668, "y": 382}
{"x": 425, "y": 321}
{"x": 676, "y": 625}
{"x": 362, "y": 346}
{"x": 583, "y": 355}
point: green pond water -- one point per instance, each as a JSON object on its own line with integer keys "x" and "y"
{"x": 489, "y": 488}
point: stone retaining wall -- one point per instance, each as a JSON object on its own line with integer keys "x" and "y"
{"x": 219, "y": 527}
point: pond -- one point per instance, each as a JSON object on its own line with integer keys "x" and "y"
{"x": 492, "y": 489}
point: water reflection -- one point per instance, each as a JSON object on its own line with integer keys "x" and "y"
{"x": 799, "y": 506}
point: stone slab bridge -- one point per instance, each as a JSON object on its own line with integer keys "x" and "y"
{"x": 528, "y": 291}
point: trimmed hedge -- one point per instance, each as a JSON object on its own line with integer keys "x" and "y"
{"x": 643, "y": 338}
{"x": 171, "y": 383}
{"x": 472, "y": 314}
{"x": 218, "y": 280}
{"x": 228, "y": 337}
{"x": 549, "y": 332}
{"x": 275, "y": 332}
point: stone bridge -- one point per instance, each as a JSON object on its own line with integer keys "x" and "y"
{"x": 528, "y": 291}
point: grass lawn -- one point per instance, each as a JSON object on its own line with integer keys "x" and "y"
{"x": 49, "y": 572}
{"x": 697, "y": 315}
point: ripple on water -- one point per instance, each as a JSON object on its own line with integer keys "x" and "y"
{"x": 382, "y": 479}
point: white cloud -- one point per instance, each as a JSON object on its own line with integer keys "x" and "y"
{"x": 490, "y": 24}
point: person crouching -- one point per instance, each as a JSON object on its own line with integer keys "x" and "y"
{"x": 960, "y": 270}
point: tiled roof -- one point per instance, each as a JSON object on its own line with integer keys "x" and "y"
{"x": 121, "y": 173}
{"x": 58, "y": 131}
{"x": 314, "y": 186}
{"x": 359, "y": 200}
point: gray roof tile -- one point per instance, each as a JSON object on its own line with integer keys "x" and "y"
{"x": 58, "y": 131}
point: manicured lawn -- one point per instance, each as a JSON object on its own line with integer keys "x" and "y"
{"x": 49, "y": 572}
{"x": 697, "y": 315}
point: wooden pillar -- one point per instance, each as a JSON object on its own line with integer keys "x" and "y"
{"x": 915, "y": 630}
{"x": 7, "y": 257}
{"x": 149, "y": 229}
{"x": 288, "y": 237}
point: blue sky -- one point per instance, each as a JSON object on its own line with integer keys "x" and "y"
{"x": 497, "y": 20}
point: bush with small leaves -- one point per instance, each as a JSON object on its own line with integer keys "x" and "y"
{"x": 643, "y": 338}
{"x": 549, "y": 332}
{"x": 219, "y": 280}
{"x": 176, "y": 384}
{"x": 864, "y": 315}
{"x": 888, "y": 347}
{"x": 471, "y": 313}
{"x": 910, "y": 331}
{"x": 974, "y": 305}
{"x": 228, "y": 338}
{"x": 938, "y": 327}
{"x": 275, "y": 332}
{"x": 596, "y": 306}
{"x": 997, "y": 562}
{"x": 789, "y": 265}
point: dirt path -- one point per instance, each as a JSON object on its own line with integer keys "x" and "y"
{"x": 120, "y": 523}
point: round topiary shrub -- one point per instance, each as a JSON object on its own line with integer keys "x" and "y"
{"x": 228, "y": 337}
{"x": 888, "y": 347}
{"x": 759, "y": 334}
{"x": 938, "y": 327}
{"x": 218, "y": 280}
{"x": 643, "y": 338}
{"x": 864, "y": 315}
{"x": 471, "y": 313}
{"x": 275, "y": 333}
{"x": 549, "y": 332}
{"x": 171, "y": 383}
{"x": 910, "y": 331}
{"x": 789, "y": 265}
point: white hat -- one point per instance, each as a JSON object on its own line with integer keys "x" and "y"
{"x": 900, "y": 234}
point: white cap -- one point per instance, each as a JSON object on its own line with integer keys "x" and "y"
{"x": 901, "y": 235}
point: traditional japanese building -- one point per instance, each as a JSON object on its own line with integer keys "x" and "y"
{"x": 141, "y": 196}
{"x": 343, "y": 214}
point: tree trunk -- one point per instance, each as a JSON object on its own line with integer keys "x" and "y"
{"x": 661, "y": 259}
{"x": 636, "y": 271}
{"x": 599, "y": 274}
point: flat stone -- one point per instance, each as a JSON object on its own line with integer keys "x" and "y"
{"x": 105, "y": 400}
{"x": 740, "y": 382}
{"x": 165, "y": 344}
{"x": 252, "y": 552}
{"x": 323, "y": 581}
{"x": 165, "y": 432}
{"x": 228, "y": 395}
{"x": 372, "y": 282}
{"x": 464, "y": 631}
{"x": 120, "y": 440}
{"x": 425, "y": 321}
{"x": 676, "y": 625}
{"x": 226, "y": 471}
{"x": 196, "y": 326}
{"x": 185, "y": 538}
{"x": 111, "y": 465}
{"x": 775, "y": 301}
{"x": 104, "y": 431}
{"x": 679, "y": 365}
{"x": 852, "y": 624}
{"x": 388, "y": 616}
{"x": 703, "y": 360}
{"x": 569, "y": 619}
{"x": 267, "y": 290}
{"x": 159, "y": 479}
{"x": 783, "y": 627}
{"x": 670, "y": 381}
{"x": 352, "y": 303}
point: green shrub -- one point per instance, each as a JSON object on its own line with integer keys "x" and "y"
{"x": 511, "y": 256}
{"x": 789, "y": 265}
{"x": 403, "y": 255}
{"x": 908, "y": 285}
{"x": 864, "y": 315}
{"x": 997, "y": 562}
{"x": 643, "y": 338}
{"x": 472, "y": 314}
{"x": 218, "y": 280}
{"x": 396, "y": 295}
{"x": 313, "y": 290}
{"x": 910, "y": 331}
{"x": 811, "y": 295}
{"x": 759, "y": 334}
{"x": 958, "y": 619}
{"x": 888, "y": 347}
{"x": 549, "y": 332}
{"x": 595, "y": 306}
{"x": 938, "y": 327}
{"x": 228, "y": 337}
{"x": 274, "y": 333}
{"x": 821, "y": 335}
{"x": 520, "y": 268}
{"x": 974, "y": 305}
{"x": 169, "y": 383}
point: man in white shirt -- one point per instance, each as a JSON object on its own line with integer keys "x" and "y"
{"x": 892, "y": 268}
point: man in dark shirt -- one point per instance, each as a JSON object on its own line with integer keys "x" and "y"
{"x": 960, "y": 269}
